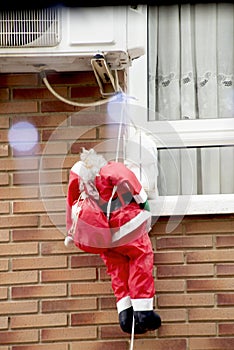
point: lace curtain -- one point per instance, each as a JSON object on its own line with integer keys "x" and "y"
{"x": 191, "y": 61}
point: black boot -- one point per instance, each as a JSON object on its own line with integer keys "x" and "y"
{"x": 147, "y": 320}
{"x": 125, "y": 321}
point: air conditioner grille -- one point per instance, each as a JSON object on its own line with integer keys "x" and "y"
{"x": 31, "y": 28}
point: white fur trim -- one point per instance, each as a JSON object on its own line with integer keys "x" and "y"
{"x": 79, "y": 169}
{"x": 144, "y": 304}
{"x": 141, "y": 197}
{"x": 132, "y": 225}
{"x": 123, "y": 304}
{"x": 68, "y": 242}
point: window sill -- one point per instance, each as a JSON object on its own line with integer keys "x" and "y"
{"x": 192, "y": 204}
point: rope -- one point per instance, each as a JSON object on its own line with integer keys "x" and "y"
{"x": 73, "y": 103}
{"x": 132, "y": 335}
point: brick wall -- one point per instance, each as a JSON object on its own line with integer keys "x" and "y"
{"x": 55, "y": 298}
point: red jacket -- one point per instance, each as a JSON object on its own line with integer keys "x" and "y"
{"x": 123, "y": 222}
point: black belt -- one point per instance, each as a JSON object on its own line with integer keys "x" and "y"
{"x": 116, "y": 203}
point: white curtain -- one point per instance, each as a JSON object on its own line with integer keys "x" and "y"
{"x": 191, "y": 63}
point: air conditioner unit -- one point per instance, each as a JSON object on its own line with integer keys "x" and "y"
{"x": 64, "y": 38}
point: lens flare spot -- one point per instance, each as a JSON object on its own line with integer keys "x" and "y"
{"x": 23, "y": 136}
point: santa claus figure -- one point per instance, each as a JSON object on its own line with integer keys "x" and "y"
{"x": 108, "y": 214}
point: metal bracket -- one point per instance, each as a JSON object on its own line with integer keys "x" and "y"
{"x": 108, "y": 83}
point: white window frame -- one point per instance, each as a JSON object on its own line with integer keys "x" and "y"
{"x": 192, "y": 133}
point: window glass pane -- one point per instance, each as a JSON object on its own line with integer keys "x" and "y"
{"x": 190, "y": 76}
{"x": 205, "y": 170}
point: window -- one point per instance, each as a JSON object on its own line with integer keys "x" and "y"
{"x": 191, "y": 104}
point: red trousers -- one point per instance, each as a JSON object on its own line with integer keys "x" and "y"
{"x": 130, "y": 267}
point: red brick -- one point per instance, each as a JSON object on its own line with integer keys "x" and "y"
{"x": 20, "y": 277}
{"x": 85, "y": 91}
{"x": 225, "y": 241}
{"x": 210, "y": 256}
{"x": 100, "y": 345}
{"x": 4, "y": 134}
{"x": 37, "y": 206}
{"x": 86, "y": 260}
{"x": 96, "y": 288}
{"x": 107, "y": 302}
{"x": 94, "y": 317}
{"x": 68, "y": 275}
{"x": 9, "y": 80}
{"x": 3, "y": 293}
{"x": 225, "y": 270}
{"x": 12, "y": 249}
{"x": 4, "y": 179}
{"x": 184, "y": 242}
{"x": 226, "y": 329}
{"x": 4, "y": 94}
{"x": 19, "y": 192}
{"x": 4, "y": 207}
{"x": 162, "y": 228}
{"x": 43, "y": 149}
{"x": 211, "y": 314}
{"x": 211, "y": 284}
{"x": 209, "y": 227}
{"x": 71, "y": 78}
{"x": 16, "y": 337}
{"x": 19, "y": 164}
{"x": 50, "y": 120}
{"x": 4, "y": 264}
{"x": 22, "y": 307}
{"x": 4, "y": 235}
{"x": 186, "y": 300}
{"x": 90, "y": 116}
{"x": 111, "y": 332}
{"x": 3, "y": 323}
{"x": 169, "y": 286}
{"x": 214, "y": 343}
{"x": 18, "y": 107}
{"x": 173, "y": 271}
{"x": 54, "y": 219}
{"x": 4, "y": 123}
{"x": 39, "y": 291}
{"x": 58, "y": 162}
{"x": 37, "y": 234}
{"x": 39, "y": 263}
{"x": 57, "y": 305}
{"x": 102, "y": 274}
{"x": 172, "y": 315}
{"x": 77, "y": 146}
{"x": 56, "y": 346}
{"x": 58, "y": 106}
{"x": 53, "y": 191}
{"x": 168, "y": 258}
{"x": 44, "y": 177}
{"x": 4, "y": 150}
{"x": 37, "y": 93}
{"x": 187, "y": 330}
{"x": 225, "y": 299}
{"x": 38, "y": 321}
{"x": 109, "y": 131}
{"x": 70, "y": 133}
{"x": 160, "y": 344}
{"x": 63, "y": 334}
{"x": 50, "y": 248}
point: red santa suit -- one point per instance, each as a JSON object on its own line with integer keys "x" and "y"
{"x": 110, "y": 212}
